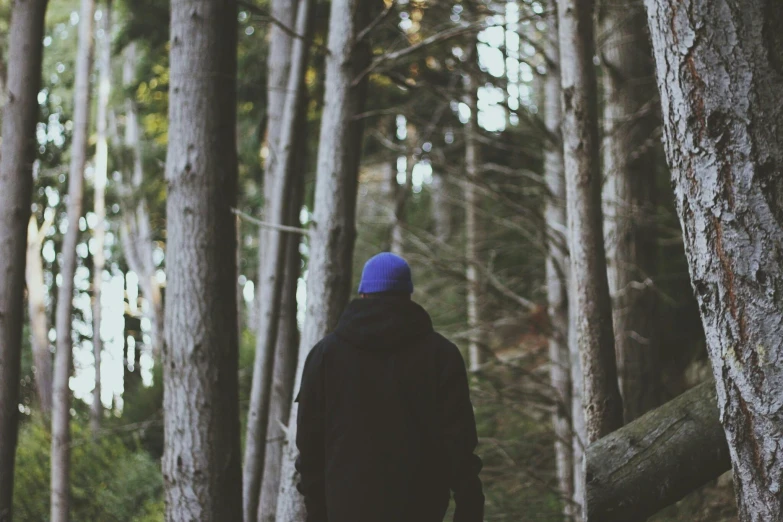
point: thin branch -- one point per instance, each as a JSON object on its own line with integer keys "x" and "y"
{"x": 375, "y": 23}
{"x": 272, "y": 226}
{"x": 254, "y": 9}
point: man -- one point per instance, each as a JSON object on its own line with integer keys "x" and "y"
{"x": 385, "y": 425}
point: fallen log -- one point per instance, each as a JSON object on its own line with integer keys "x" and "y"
{"x": 656, "y": 460}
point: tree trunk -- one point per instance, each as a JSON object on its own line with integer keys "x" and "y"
{"x": 36, "y": 301}
{"x": 557, "y": 279}
{"x": 602, "y": 402}
{"x": 202, "y": 459}
{"x": 477, "y": 344}
{"x": 272, "y": 266}
{"x": 61, "y": 404}
{"x": 720, "y": 76}
{"x": 287, "y": 348}
{"x": 629, "y": 156}
{"x": 578, "y": 426}
{"x": 658, "y": 459}
{"x": 20, "y": 114}
{"x": 101, "y": 175}
{"x": 334, "y": 232}
{"x": 403, "y": 193}
{"x": 138, "y": 244}
{"x": 441, "y": 206}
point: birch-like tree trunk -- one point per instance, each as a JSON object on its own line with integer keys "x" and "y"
{"x": 287, "y": 346}
{"x": 20, "y": 114}
{"x": 629, "y": 164}
{"x": 272, "y": 267}
{"x": 202, "y": 456}
{"x": 578, "y": 425}
{"x": 99, "y": 236}
{"x": 61, "y": 404}
{"x": 720, "y": 76}
{"x": 137, "y": 240}
{"x": 477, "y": 343}
{"x": 334, "y": 232}
{"x": 557, "y": 272}
{"x": 36, "y": 303}
{"x": 602, "y": 402}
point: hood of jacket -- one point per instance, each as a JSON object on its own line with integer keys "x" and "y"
{"x": 383, "y": 323}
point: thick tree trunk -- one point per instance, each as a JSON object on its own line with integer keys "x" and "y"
{"x": 477, "y": 344}
{"x": 287, "y": 347}
{"x": 557, "y": 272}
{"x": 720, "y": 76}
{"x": 61, "y": 404}
{"x": 101, "y": 175}
{"x": 602, "y": 402}
{"x": 629, "y": 200}
{"x": 334, "y": 233}
{"x": 272, "y": 267}
{"x": 20, "y": 114}
{"x": 202, "y": 458}
{"x": 658, "y": 459}
{"x": 137, "y": 240}
{"x": 36, "y": 302}
{"x": 578, "y": 426}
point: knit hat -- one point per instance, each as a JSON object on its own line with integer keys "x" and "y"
{"x": 386, "y": 272}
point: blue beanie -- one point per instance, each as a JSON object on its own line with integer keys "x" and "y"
{"x": 386, "y": 272}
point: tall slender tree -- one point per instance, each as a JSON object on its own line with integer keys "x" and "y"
{"x": 720, "y": 77}
{"x": 273, "y": 265}
{"x": 201, "y": 459}
{"x": 593, "y": 308}
{"x": 557, "y": 273}
{"x": 25, "y": 51}
{"x": 334, "y": 232}
{"x": 101, "y": 175}
{"x": 477, "y": 345}
{"x": 629, "y": 154}
{"x": 61, "y": 404}
{"x": 36, "y": 305}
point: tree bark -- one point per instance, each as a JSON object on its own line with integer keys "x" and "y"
{"x": 477, "y": 343}
{"x": 272, "y": 267}
{"x": 578, "y": 426}
{"x": 36, "y": 301}
{"x": 403, "y": 192}
{"x": 334, "y": 231}
{"x": 20, "y": 114}
{"x": 61, "y": 404}
{"x": 202, "y": 459}
{"x": 602, "y": 402}
{"x": 557, "y": 278}
{"x": 658, "y": 459}
{"x": 720, "y": 76}
{"x": 629, "y": 200}
{"x": 441, "y": 206}
{"x": 101, "y": 175}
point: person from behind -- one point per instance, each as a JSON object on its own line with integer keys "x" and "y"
{"x": 386, "y": 430}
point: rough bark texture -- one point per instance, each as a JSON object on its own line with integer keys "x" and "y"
{"x": 36, "y": 303}
{"x": 334, "y": 228}
{"x": 477, "y": 345}
{"x": 578, "y": 427}
{"x": 273, "y": 265}
{"x": 557, "y": 272}
{"x": 629, "y": 155}
{"x": 61, "y": 404}
{"x": 720, "y": 75}
{"x": 16, "y": 184}
{"x": 202, "y": 459}
{"x": 602, "y": 402}
{"x": 99, "y": 236}
{"x": 658, "y": 459}
{"x": 136, "y": 234}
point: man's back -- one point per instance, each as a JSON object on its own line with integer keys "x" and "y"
{"x": 386, "y": 428}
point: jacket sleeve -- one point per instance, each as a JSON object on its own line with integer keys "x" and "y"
{"x": 310, "y": 438}
{"x": 458, "y": 432}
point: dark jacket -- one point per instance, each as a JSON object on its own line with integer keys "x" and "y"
{"x": 385, "y": 424}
